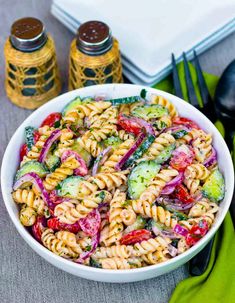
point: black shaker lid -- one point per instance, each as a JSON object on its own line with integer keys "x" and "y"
{"x": 94, "y": 38}
{"x": 28, "y": 34}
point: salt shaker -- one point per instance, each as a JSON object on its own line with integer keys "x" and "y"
{"x": 94, "y": 56}
{"x": 32, "y": 76}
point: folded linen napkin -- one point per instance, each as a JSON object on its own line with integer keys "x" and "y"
{"x": 217, "y": 283}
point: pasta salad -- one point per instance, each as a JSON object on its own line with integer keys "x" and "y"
{"x": 118, "y": 183}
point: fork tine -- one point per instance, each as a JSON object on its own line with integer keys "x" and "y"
{"x": 189, "y": 83}
{"x": 176, "y": 80}
{"x": 208, "y": 105}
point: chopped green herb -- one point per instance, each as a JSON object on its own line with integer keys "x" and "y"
{"x": 58, "y": 187}
{"x": 88, "y": 248}
{"x": 57, "y": 124}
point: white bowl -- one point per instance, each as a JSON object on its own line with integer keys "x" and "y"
{"x": 11, "y": 161}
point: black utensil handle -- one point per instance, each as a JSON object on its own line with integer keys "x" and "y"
{"x": 199, "y": 263}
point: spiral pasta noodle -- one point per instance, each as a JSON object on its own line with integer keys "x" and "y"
{"x": 120, "y": 251}
{"x": 196, "y": 171}
{"x": 59, "y": 246}
{"x": 70, "y": 213}
{"x": 27, "y": 216}
{"x": 120, "y": 263}
{"x": 109, "y": 164}
{"x": 165, "y": 103}
{"x": 101, "y": 181}
{"x": 85, "y": 110}
{"x": 92, "y": 146}
{"x": 202, "y": 147}
{"x": 78, "y": 201}
{"x": 158, "y": 213}
{"x": 66, "y": 169}
{"x": 162, "y": 141}
{"x": 115, "y": 220}
{"x": 157, "y": 184}
{"x": 66, "y": 141}
{"x": 150, "y": 246}
{"x": 34, "y": 153}
{"x": 29, "y": 198}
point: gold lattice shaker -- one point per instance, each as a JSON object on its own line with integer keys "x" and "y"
{"x": 94, "y": 56}
{"x": 32, "y": 76}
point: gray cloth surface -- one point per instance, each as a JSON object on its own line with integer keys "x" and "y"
{"x": 24, "y": 276}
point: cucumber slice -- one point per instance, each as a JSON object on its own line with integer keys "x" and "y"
{"x": 52, "y": 161}
{"x": 112, "y": 141}
{"x": 214, "y": 188}
{"x": 152, "y": 223}
{"x": 82, "y": 152}
{"x": 139, "y": 224}
{"x": 29, "y": 138}
{"x": 140, "y": 151}
{"x": 165, "y": 154}
{"x": 32, "y": 167}
{"x": 69, "y": 187}
{"x": 74, "y": 103}
{"x": 151, "y": 111}
{"x": 179, "y": 134}
{"x": 140, "y": 177}
{"x": 126, "y": 100}
{"x": 95, "y": 263}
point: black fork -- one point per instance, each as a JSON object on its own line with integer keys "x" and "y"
{"x": 199, "y": 263}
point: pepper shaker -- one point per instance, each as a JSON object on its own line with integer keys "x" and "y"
{"x": 94, "y": 56}
{"x": 32, "y": 76}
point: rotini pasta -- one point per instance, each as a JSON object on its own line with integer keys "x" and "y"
{"x": 158, "y": 213}
{"x": 159, "y": 144}
{"x": 157, "y": 184}
{"x": 109, "y": 165}
{"x": 69, "y": 212}
{"x": 114, "y": 191}
{"x": 34, "y": 153}
{"x": 164, "y": 102}
{"x": 66, "y": 169}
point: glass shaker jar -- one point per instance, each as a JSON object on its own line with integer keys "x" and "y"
{"x": 94, "y": 56}
{"x": 32, "y": 76}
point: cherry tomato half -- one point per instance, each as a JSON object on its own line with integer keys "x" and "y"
{"x": 23, "y": 151}
{"x": 51, "y": 119}
{"x": 36, "y": 136}
{"x": 128, "y": 124}
{"x": 182, "y": 194}
{"x": 182, "y": 157}
{"x": 55, "y": 224}
{"x": 186, "y": 122}
{"x": 197, "y": 232}
{"x": 37, "y": 228}
{"x": 135, "y": 236}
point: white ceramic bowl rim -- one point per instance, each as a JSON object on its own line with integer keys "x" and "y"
{"x": 94, "y": 90}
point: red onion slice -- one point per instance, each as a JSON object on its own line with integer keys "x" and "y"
{"x": 82, "y": 170}
{"x": 174, "y": 204}
{"x": 177, "y": 128}
{"x": 180, "y": 230}
{"x": 211, "y": 159}
{"x": 172, "y": 250}
{"x": 47, "y": 145}
{"x": 148, "y": 127}
{"x": 170, "y": 186}
{"x": 38, "y": 227}
{"x": 91, "y": 223}
{"x": 86, "y": 254}
{"x": 137, "y": 143}
{"x": 37, "y": 182}
{"x": 100, "y": 160}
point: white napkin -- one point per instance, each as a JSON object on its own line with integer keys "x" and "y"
{"x": 149, "y": 31}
